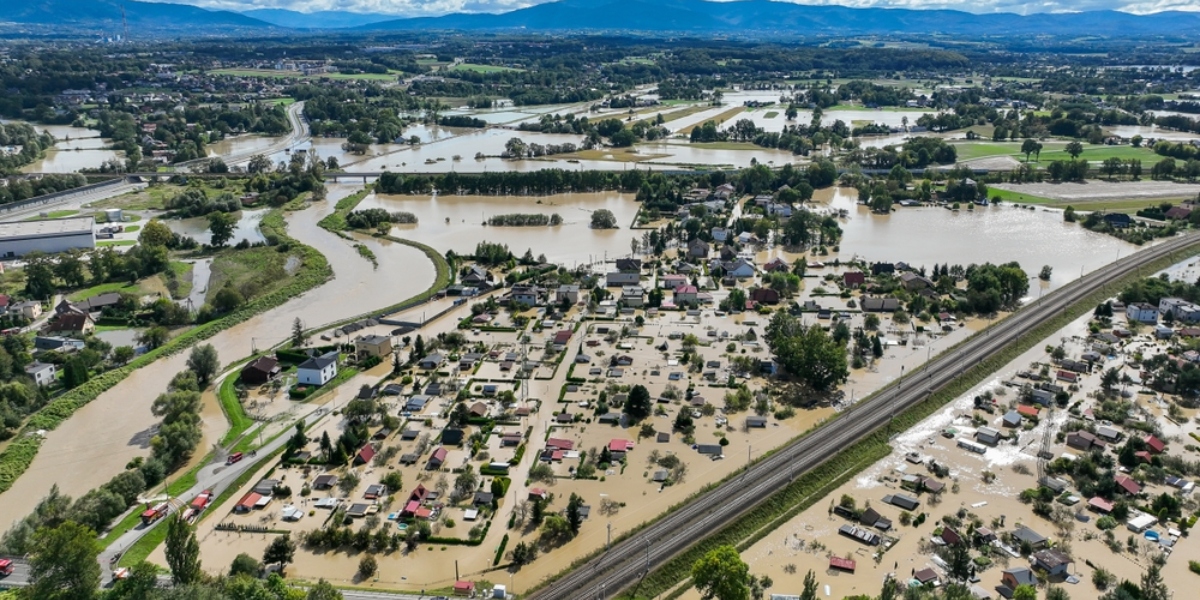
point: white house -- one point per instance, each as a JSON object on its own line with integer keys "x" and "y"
{"x": 739, "y": 268}
{"x": 720, "y": 234}
{"x": 1141, "y": 311}
{"x": 317, "y": 370}
{"x": 42, "y": 373}
{"x": 673, "y": 281}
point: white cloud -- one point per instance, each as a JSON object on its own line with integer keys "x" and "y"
{"x": 440, "y": 7}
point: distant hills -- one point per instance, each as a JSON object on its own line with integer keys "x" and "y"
{"x": 697, "y": 17}
{"x": 107, "y": 14}
{"x": 778, "y": 18}
{"x": 324, "y": 19}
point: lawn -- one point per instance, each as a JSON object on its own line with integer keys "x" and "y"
{"x": 183, "y": 279}
{"x": 256, "y": 270}
{"x": 718, "y": 120}
{"x": 104, "y": 288}
{"x": 1052, "y": 151}
{"x": 616, "y": 154}
{"x": 675, "y": 114}
{"x": 104, "y": 243}
{"x": 133, "y": 228}
{"x": 483, "y": 68}
{"x": 284, "y": 101}
{"x": 771, "y": 114}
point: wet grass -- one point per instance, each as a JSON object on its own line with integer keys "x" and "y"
{"x": 252, "y": 271}
{"x": 718, "y": 120}
{"x": 615, "y": 155}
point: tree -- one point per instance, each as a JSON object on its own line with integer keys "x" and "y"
{"x": 367, "y": 567}
{"x": 1153, "y": 587}
{"x": 960, "y": 562}
{"x": 722, "y": 575}
{"x": 123, "y": 354}
{"x": 204, "y": 363}
{"x": 244, "y": 564}
{"x": 522, "y": 554}
{"x": 1030, "y": 146}
{"x": 809, "y": 591}
{"x": 221, "y": 225}
{"x": 574, "y": 514}
{"x": 63, "y": 563}
{"x": 156, "y": 233}
{"x": 281, "y": 551}
{"x": 153, "y": 337}
{"x": 1057, "y": 593}
{"x": 638, "y": 405}
{"x": 323, "y": 590}
{"x": 807, "y": 353}
{"x": 227, "y": 299}
{"x": 604, "y": 219}
{"x": 1074, "y": 149}
{"x": 142, "y": 580}
{"x": 75, "y": 373}
{"x": 259, "y": 164}
{"x": 183, "y": 552}
{"x": 1025, "y": 592}
{"x": 299, "y": 340}
{"x": 737, "y": 300}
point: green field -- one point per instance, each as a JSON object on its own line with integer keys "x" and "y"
{"x": 117, "y": 243}
{"x": 1052, "y": 151}
{"x": 483, "y": 68}
{"x": 284, "y": 101}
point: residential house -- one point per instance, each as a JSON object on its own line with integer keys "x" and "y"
{"x": 720, "y": 234}
{"x": 1141, "y": 312}
{"x": 561, "y": 337}
{"x": 988, "y": 435}
{"x": 926, "y": 576}
{"x": 1083, "y": 440}
{"x": 452, "y": 436}
{"x": 1118, "y": 220}
{"x": 633, "y": 296}
{"x": 379, "y": 346}
{"x": 475, "y": 276}
{"x": 740, "y": 268}
{"x": 685, "y": 294}
{"x": 764, "y": 296}
{"x": 1128, "y": 485}
{"x": 622, "y": 278}
{"x": 697, "y": 248}
{"x": 71, "y": 323}
{"x": 432, "y": 361}
{"x": 528, "y": 295}
{"x": 260, "y": 371}
{"x": 46, "y": 343}
{"x": 1026, "y": 535}
{"x": 628, "y": 265}
{"x": 568, "y": 294}
{"x": 365, "y": 454}
{"x": 325, "y": 482}
{"x": 1054, "y": 562}
{"x": 1108, "y": 434}
{"x": 42, "y": 373}
{"x": 853, "y": 278}
{"x": 436, "y": 459}
{"x": 1012, "y": 418}
{"x": 912, "y": 281}
{"x": 1155, "y": 445}
{"x": 777, "y": 264}
{"x": 880, "y": 304}
{"x": 883, "y": 268}
{"x": 1179, "y": 309}
{"x": 906, "y": 502}
{"x": 1017, "y": 576}
{"x": 317, "y": 370}
{"x": 30, "y": 309}
{"x": 670, "y": 282}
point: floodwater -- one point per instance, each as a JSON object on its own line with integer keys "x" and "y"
{"x": 75, "y": 148}
{"x": 96, "y": 443}
{"x": 240, "y": 144}
{"x": 996, "y": 234}
{"x": 1152, "y": 131}
{"x": 572, "y": 242}
{"x": 697, "y": 155}
{"x": 246, "y": 228}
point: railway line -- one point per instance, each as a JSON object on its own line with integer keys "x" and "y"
{"x": 626, "y": 562}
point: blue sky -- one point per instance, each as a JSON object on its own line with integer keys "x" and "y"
{"x": 437, "y": 7}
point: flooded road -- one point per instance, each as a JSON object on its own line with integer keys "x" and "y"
{"x": 97, "y": 442}
{"x": 572, "y": 242}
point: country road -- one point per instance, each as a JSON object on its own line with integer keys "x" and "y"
{"x": 628, "y": 561}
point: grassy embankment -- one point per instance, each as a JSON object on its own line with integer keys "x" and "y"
{"x": 808, "y": 489}
{"x": 313, "y": 271}
{"x": 717, "y": 120}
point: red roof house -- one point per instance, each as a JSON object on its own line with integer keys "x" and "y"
{"x": 463, "y": 588}
{"x": 560, "y": 444}
{"x": 365, "y": 455}
{"x": 437, "y": 458}
{"x": 1128, "y": 485}
{"x": 853, "y": 278}
{"x": 1027, "y": 411}
{"x": 1068, "y": 376}
{"x": 1100, "y": 505}
{"x": 619, "y": 445}
{"x": 842, "y": 564}
{"x": 1156, "y": 445}
{"x": 562, "y": 337}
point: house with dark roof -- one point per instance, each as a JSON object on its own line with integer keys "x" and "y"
{"x": 1017, "y": 576}
{"x": 452, "y": 436}
{"x": 853, "y": 278}
{"x": 1053, "y": 561}
{"x": 880, "y": 304}
{"x": 1026, "y": 535}
{"x": 260, "y": 371}
{"x": 317, "y": 370}
{"x": 71, "y": 323}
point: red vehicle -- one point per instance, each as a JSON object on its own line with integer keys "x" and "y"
{"x": 152, "y": 514}
{"x": 201, "y": 501}
{"x": 6, "y": 567}
{"x": 236, "y": 456}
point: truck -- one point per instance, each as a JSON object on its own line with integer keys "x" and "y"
{"x": 6, "y": 567}
{"x": 152, "y": 514}
{"x": 201, "y": 501}
{"x": 235, "y": 457}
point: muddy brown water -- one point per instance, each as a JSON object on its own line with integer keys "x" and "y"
{"x": 97, "y": 442}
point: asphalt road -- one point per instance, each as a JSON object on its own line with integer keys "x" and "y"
{"x": 71, "y": 201}
{"x": 628, "y": 561}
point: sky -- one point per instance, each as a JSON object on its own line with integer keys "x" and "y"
{"x": 439, "y": 7}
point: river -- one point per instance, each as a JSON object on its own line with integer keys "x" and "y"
{"x": 96, "y": 443}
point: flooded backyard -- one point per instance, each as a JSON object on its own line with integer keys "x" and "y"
{"x": 246, "y": 228}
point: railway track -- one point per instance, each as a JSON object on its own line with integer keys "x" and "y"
{"x": 623, "y": 565}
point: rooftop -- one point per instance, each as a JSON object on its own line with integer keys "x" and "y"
{"x": 46, "y": 228}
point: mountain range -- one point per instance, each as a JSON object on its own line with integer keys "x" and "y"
{"x": 696, "y": 17}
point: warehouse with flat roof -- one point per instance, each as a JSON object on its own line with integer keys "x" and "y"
{"x": 49, "y": 236}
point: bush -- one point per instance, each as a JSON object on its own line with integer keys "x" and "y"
{"x": 367, "y": 567}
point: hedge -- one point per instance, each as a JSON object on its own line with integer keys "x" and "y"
{"x": 314, "y": 271}
{"x": 500, "y": 550}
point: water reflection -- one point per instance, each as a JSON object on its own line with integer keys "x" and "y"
{"x": 197, "y": 227}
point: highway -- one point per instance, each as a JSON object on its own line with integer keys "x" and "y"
{"x": 627, "y": 562}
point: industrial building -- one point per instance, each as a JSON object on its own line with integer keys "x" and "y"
{"x": 49, "y": 236}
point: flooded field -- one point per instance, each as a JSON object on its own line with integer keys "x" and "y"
{"x": 997, "y": 234}
{"x": 246, "y": 228}
{"x": 1152, "y": 131}
{"x": 75, "y": 148}
{"x": 103, "y": 436}
{"x": 455, "y": 223}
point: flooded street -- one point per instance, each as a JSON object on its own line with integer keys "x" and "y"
{"x": 455, "y": 223}
{"x": 97, "y": 442}
{"x": 996, "y": 234}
